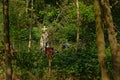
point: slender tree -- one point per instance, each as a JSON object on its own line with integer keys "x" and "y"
{"x": 78, "y": 23}
{"x": 114, "y": 45}
{"x": 30, "y": 28}
{"x": 100, "y": 42}
{"x": 7, "y": 40}
{"x": 27, "y": 5}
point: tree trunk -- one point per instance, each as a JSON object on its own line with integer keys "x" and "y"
{"x": 115, "y": 47}
{"x": 30, "y": 28}
{"x": 49, "y": 66}
{"x": 78, "y": 24}
{"x": 27, "y": 5}
{"x": 100, "y": 42}
{"x": 7, "y": 40}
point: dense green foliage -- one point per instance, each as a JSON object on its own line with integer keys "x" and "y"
{"x": 67, "y": 64}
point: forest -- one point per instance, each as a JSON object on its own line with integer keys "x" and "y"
{"x": 59, "y": 40}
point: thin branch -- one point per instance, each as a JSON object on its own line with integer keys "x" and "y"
{"x": 115, "y": 3}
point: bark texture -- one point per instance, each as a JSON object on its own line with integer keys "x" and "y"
{"x": 114, "y": 45}
{"x": 100, "y": 42}
{"x": 7, "y": 40}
